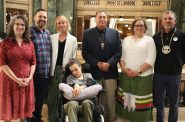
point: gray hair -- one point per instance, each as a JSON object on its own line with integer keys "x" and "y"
{"x": 171, "y": 12}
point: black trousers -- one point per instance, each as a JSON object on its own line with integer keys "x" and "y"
{"x": 162, "y": 84}
{"x": 41, "y": 92}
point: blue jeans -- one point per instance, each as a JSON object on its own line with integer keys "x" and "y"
{"x": 162, "y": 84}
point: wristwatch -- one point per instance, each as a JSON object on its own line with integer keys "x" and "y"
{"x": 139, "y": 71}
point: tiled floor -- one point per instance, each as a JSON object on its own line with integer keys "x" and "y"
{"x": 45, "y": 112}
{"x": 119, "y": 118}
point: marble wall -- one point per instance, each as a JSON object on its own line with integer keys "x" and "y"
{"x": 60, "y": 7}
{"x": 2, "y": 22}
{"x": 53, "y": 7}
{"x": 178, "y": 6}
{"x": 183, "y": 25}
{"x": 51, "y": 15}
{"x": 36, "y": 5}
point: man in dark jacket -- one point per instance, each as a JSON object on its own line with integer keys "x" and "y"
{"x": 170, "y": 46}
{"x": 101, "y": 48}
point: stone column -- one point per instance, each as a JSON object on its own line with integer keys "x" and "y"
{"x": 61, "y": 7}
{"x": 183, "y": 25}
{"x": 178, "y": 6}
{"x": 2, "y": 22}
{"x": 36, "y": 5}
{"x": 52, "y": 15}
{"x": 68, "y": 9}
{"x": 74, "y": 23}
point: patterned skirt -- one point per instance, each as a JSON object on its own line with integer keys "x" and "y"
{"x": 135, "y": 98}
{"x": 15, "y": 102}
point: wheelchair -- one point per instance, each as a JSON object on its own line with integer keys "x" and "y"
{"x": 98, "y": 108}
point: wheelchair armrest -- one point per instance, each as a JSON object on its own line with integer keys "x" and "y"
{"x": 61, "y": 92}
{"x": 100, "y": 92}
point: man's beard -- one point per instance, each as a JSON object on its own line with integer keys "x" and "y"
{"x": 41, "y": 24}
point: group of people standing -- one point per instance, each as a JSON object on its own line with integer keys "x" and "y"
{"x": 31, "y": 61}
{"x": 32, "y": 65}
{"x": 165, "y": 53}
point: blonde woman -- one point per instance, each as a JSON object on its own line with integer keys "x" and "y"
{"x": 64, "y": 47}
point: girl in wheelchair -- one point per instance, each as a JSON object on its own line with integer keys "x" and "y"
{"x": 79, "y": 89}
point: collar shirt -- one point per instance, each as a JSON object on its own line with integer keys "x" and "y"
{"x": 101, "y": 37}
{"x": 42, "y": 43}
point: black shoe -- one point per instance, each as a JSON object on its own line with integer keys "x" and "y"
{"x": 166, "y": 102}
{"x": 183, "y": 101}
{"x": 34, "y": 120}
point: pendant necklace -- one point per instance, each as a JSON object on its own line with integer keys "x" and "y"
{"x": 166, "y": 48}
{"x": 102, "y": 41}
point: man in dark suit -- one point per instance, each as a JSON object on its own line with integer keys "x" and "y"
{"x": 101, "y": 48}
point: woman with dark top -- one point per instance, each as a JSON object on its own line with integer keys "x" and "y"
{"x": 64, "y": 47}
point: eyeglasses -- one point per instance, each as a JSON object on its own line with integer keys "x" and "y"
{"x": 18, "y": 24}
{"x": 141, "y": 26}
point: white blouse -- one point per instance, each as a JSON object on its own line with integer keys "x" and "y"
{"x": 136, "y": 52}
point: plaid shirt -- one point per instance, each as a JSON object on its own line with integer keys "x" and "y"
{"x": 42, "y": 43}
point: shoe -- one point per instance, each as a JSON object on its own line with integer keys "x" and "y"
{"x": 40, "y": 120}
{"x": 34, "y": 120}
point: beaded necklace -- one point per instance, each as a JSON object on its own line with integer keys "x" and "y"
{"x": 166, "y": 48}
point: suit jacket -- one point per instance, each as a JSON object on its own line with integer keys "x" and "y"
{"x": 93, "y": 53}
{"x": 70, "y": 50}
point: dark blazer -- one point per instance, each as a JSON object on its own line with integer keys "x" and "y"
{"x": 93, "y": 53}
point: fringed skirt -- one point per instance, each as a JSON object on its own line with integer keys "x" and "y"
{"x": 135, "y": 98}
